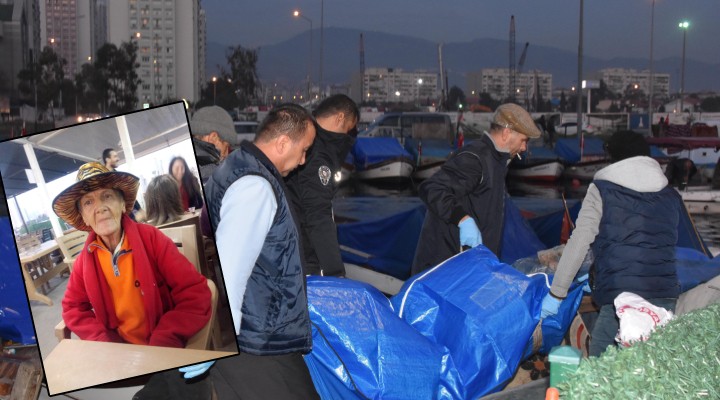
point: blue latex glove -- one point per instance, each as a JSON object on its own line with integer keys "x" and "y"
{"x": 550, "y": 306}
{"x": 469, "y": 233}
{"x": 586, "y": 287}
{"x": 192, "y": 371}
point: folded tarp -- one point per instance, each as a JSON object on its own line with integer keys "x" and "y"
{"x": 362, "y": 350}
{"x": 15, "y": 320}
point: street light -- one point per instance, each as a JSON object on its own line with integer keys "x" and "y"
{"x": 214, "y": 81}
{"x": 296, "y": 14}
{"x": 651, "y": 109}
{"x": 684, "y": 25}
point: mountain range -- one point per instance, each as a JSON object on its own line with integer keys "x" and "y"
{"x": 286, "y": 63}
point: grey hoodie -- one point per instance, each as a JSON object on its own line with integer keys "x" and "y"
{"x": 641, "y": 174}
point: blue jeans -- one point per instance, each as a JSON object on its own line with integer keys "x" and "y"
{"x": 607, "y": 325}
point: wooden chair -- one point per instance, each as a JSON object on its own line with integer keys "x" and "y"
{"x": 71, "y": 244}
{"x": 194, "y": 221}
{"x": 185, "y": 238}
{"x": 200, "y": 341}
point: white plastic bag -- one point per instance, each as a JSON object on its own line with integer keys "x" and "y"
{"x": 638, "y": 318}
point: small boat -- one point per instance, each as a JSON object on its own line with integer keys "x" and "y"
{"x": 544, "y": 170}
{"x": 427, "y": 137}
{"x": 701, "y": 199}
{"x": 381, "y": 158}
{"x": 582, "y": 160}
{"x": 584, "y": 171}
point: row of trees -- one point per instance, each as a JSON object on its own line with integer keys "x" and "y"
{"x": 107, "y": 85}
{"x": 237, "y": 85}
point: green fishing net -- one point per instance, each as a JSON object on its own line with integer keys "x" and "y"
{"x": 681, "y": 360}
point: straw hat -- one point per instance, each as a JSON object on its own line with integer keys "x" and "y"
{"x": 91, "y": 177}
{"x": 514, "y": 117}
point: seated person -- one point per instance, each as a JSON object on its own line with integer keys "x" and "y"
{"x": 162, "y": 201}
{"x": 190, "y": 192}
{"x": 129, "y": 284}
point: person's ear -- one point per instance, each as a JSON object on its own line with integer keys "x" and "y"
{"x": 282, "y": 144}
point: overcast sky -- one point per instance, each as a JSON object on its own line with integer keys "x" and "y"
{"x": 613, "y": 28}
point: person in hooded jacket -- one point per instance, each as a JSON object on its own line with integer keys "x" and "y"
{"x": 629, "y": 219}
{"x": 312, "y": 186}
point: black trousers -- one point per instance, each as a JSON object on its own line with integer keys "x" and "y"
{"x": 251, "y": 377}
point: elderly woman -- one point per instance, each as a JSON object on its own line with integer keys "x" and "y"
{"x": 162, "y": 200}
{"x": 130, "y": 284}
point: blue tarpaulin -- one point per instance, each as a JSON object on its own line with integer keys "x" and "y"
{"x": 361, "y": 349}
{"x": 368, "y": 151}
{"x": 15, "y": 320}
{"x": 568, "y": 149}
{"x": 458, "y": 331}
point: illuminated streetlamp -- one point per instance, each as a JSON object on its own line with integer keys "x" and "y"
{"x": 297, "y": 14}
{"x": 684, "y": 25}
{"x": 214, "y": 81}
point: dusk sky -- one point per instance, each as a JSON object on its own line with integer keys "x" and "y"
{"x": 613, "y": 28}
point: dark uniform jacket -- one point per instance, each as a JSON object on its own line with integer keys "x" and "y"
{"x": 275, "y": 316}
{"x": 471, "y": 182}
{"x": 311, "y": 189}
{"x": 635, "y": 246}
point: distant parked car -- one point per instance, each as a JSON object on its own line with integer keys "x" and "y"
{"x": 245, "y": 130}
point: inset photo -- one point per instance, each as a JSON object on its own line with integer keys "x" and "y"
{"x": 120, "y": 280}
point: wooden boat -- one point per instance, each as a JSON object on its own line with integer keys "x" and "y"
{"x": 701, "y": 199}
{"x": 549, "y": 171}
{"x": 381, "y": 158}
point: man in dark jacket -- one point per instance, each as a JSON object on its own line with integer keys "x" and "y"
{"x": 465, "y": 199}
{"x": 312, "y": 186}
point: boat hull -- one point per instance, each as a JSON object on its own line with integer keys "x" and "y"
{"x": 547, "y": 172}
{"x": 427, "y": 170}
{"x": 584, "y": 171}
{"x": 392, "y": 170}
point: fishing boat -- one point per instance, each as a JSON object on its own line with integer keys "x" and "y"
{"x": 381, "y": 159}
{"x": 427, "y": 137}
{"x": 701, "y": 199}
{"x": 582, "y": 158}
{"x": 539, "y": 163}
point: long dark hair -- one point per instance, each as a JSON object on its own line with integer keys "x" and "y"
{"x": 188, "y": 182}
{"x": 162, "y": 200}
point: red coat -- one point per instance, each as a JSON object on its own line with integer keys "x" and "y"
{"x": 176, "y": 296}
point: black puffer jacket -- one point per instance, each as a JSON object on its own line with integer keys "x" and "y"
{"x": 471, "y": 182}
{"x": 311, "y": 188}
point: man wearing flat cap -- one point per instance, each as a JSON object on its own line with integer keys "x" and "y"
{"x": 465, "y": 199}
{"x": 129, "y": 284}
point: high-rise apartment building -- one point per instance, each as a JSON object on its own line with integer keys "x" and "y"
{"x": 395, "y": 85}
{"x": 496, "y": 83}
{"x": 61, "y": 31}
{"x": 618, "y": 80}
{"x": 170, "y": 50}
{"x": 74, "y": 29}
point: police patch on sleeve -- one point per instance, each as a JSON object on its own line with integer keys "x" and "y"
{"x": 324, "y": 174}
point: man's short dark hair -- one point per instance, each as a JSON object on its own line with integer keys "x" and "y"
{"x": 337, "y": 103}
{"x": 626, "y": 144}
{"x": 106, "y": 155}
{"x": 286, "y": 119}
